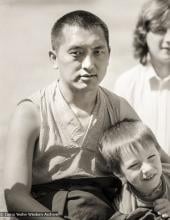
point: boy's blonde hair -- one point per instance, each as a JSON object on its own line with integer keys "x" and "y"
{"x": 124, "y": 134}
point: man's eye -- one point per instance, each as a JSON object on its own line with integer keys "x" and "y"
{"x": 76, "y": 53}
{"x": 151, "y": 157}
{"x": 98, "y": 52}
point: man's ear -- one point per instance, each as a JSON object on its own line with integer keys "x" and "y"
{"x": 109, "y": 48}
{"x": 53, "y": 58}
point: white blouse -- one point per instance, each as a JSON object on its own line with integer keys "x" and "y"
{"x": 150, "y": 97}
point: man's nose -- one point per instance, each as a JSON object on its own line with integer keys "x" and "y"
{"x": 88, "y": 62}
{"x": 147, "y": 170}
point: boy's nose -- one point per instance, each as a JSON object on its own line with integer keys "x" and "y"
{"x": 147, "y": 171}
{"x": 88, "y": 63}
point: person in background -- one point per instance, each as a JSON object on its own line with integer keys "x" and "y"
{"x": 53, "y": 163}
{"x": 132, "y": 152}
{"x": 147, "y": 85}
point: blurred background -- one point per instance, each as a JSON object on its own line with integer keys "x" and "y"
{"x": 25, "y": 27}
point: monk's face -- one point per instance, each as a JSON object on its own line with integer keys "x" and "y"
{"x": 82, "y": 57}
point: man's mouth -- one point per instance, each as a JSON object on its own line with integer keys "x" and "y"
{"x": 88, "y": 76}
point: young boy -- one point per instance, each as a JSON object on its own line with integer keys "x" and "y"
{"x": 132, "y": 153}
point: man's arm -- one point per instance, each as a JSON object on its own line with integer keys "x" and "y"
{"x": 23, "y": 133}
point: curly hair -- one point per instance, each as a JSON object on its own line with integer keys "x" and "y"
{"x": 152, "y": 16}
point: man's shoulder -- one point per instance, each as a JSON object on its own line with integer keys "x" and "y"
{"x": 43, "y": 93}
{"x": 111, "y": 95}
{"x": 115, "y": 99}
{"x": 26, "y": 117}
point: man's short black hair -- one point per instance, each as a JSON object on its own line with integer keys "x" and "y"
{"x": 79, "y": 18}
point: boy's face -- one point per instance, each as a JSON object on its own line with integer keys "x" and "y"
{"x": 158, "y": 41}
{"x": 82, "y": 57}
{"x": 142, "y": 167}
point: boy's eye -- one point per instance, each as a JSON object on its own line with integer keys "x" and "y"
{"x": 134, "y": 166}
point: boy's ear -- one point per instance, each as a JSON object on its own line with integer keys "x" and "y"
{"x": 121, "y": 177}
{"x": 53, "y": 58}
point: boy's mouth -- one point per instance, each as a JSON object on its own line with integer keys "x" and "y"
{"x": 149, "y": 177}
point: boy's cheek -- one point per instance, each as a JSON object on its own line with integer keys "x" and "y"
{"x": 134, "y": 179}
